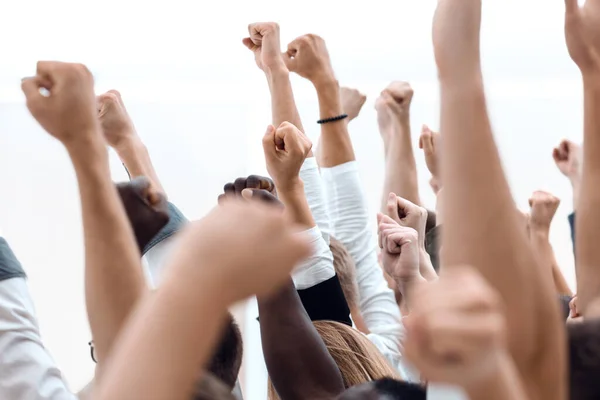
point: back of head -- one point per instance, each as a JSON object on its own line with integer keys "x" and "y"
{"x": 584, "y": 359}
{"x": 227, "y": 360}
{"x": 345, "y": 268}
{"x": 357, "y": 358}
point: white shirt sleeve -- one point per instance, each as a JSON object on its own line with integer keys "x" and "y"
{"x": 27, "y": 371}
{"x": 350, "y": 222}
{"x": 318, "y": 267}
{"x": 315, "y": 196}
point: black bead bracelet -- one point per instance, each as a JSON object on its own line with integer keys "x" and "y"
{"x": 332, "y": 119}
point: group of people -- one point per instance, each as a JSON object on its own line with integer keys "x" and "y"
{"x": 464, "y": 302}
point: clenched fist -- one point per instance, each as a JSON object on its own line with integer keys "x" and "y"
{"x": 114, "y": 119}
{"x": 253, "y": 187}
{"x": 68, "y": 111}
{"x": 430, "y": 142}
{"x": 568, "y": 158}
{"x": 582, "y": 32}
{"x": 543, "y": 207}
{"x": 308, "y": 57}
{"x": 248, "y": 246}
{"x": 393, "y": 104}
{"x": 352, "y": 102}
{"x": 400, "y": 251}
{"x": 285, "y": 150}
{"x": 409, "y": 215}
{"x": 456, "y": 332}
{"x": 264, "y": 43}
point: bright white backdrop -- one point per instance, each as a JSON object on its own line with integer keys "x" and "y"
{"x": 201, "y": 105}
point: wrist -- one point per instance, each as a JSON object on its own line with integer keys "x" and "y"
{"x": 539, "y": 232}
{"x": 289, "y": 188}
{"x": 325, "y": 81}
{"x": 89, "y": 145}
{"x": 276, "y": 70}
{"x": 498, "y": 380}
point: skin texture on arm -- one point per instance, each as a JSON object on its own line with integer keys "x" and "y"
{"x": 481, "y": 225}
{"x": 582, "y": 29}
{"x": 298, "y": 362}
{"x": 543, "y": 208}
{"x": 121, "y": 135}
{"x": 393, "y": 117}
{"x": 188, "y": 309}
{"x": 69, "y": 114}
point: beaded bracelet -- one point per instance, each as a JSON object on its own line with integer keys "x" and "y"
{"x": 332, "y": 119}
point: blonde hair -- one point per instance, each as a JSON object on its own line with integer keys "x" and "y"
{"x": 357, "y": 358}
{"x": 345, "y": 269}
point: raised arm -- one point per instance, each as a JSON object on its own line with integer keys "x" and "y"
{"x": 189, "y": 308}
{"x": 582, "y": 30}
{"x": 393, "y": 117}
{"x": 543, "y": 207}
{"x": 112, "y": 258}
{"x": 481, "y": 225}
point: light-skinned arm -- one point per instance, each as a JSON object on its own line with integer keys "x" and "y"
{"x": 582, "y": 29}
{"x": 481, "y": 224}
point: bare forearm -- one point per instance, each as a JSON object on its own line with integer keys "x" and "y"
{"x": 198, "y": 311}
{"x": 113, "y": 276}
{"x": 588, "y": 210}
{"x": 480, "y": 219}
{"x": 283, "y": 105}
{"x": 400, "y": 164}
{"x": 505, "y": 384}
{"x": 540, "y": 242}
{"x": 135, "y": 156}
{"x": 296, "y": 205}
{"x": 335, "y": 141}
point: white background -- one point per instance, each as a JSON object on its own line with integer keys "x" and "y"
{"x": 201, "y": 106}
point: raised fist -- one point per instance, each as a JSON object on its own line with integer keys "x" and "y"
{"x": 543, "y": 207}
{"x": 456, "y": 331}
{"x": 253, "y": 187}
{"x": 393, "y": 104}
{"x": 456, "y": 36}
{"x": 582, "y": 32}
{"x": 114, "y": 119}
{"x": 285, "y": 148}
{"x": 352, "y": 102}
{"x": 308, "y": 57}
{"x": 400, "y": 250}
{"x": 67, "y": 109}
{"x": 408, "y": 214}
{"x": 568, "y": 158}
{"x": 248, "y": 246}
{"x": 430, "y": 142}
{"x": 264, "y": 43}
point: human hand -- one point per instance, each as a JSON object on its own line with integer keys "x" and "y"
{"x": 568, "y": 158}
{"x": 242, "y": 259}
{"x": 308, "y": 57}
{"x": 285, "y": 149}
{"x": 574, "y": 315}
{"x": 393, "y": 105}
{"x": 68, "y": 112}
{"x": 116, "y": 124}
{"x": 352, "y": 102}
{"x": 264, "y": 42}
{"x": 409, "y": 215}
{"x": 456, "y": 332}
{"x": 582, "y": 33}
{"x": 146, "y": 208}
{"x": 456, "y": 38}
{"x": 543, "y": 207}
{"x": 400, "y": 251}
{"x": 430, "y": 143}
{"x": 252, "y": 187}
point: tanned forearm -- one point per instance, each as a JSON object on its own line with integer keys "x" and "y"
{"x": 296, "y": 206}
{"x": 481, "y": 227}
{"x": 588, "y": 209}
{"x": 335, "y": 140}
{"x": 540, "y": 242}
{"x": 503, "y": 385}
{"x": 135, "y": 156}
{"x": 400, "y": 164}
{"x": 283, "y": 105}
{"x": 197, "y": 308}
{"x": 113, "y": 275}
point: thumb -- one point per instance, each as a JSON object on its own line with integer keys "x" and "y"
{"x": 404, "y": 206}
{"x": 262, "y": 196}
{"x": 289, "y": 60}
{"x": 392, "y": 207}
{"x": 31, "y": 88}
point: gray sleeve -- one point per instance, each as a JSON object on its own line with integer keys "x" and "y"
{"x": 176, "y": 221}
